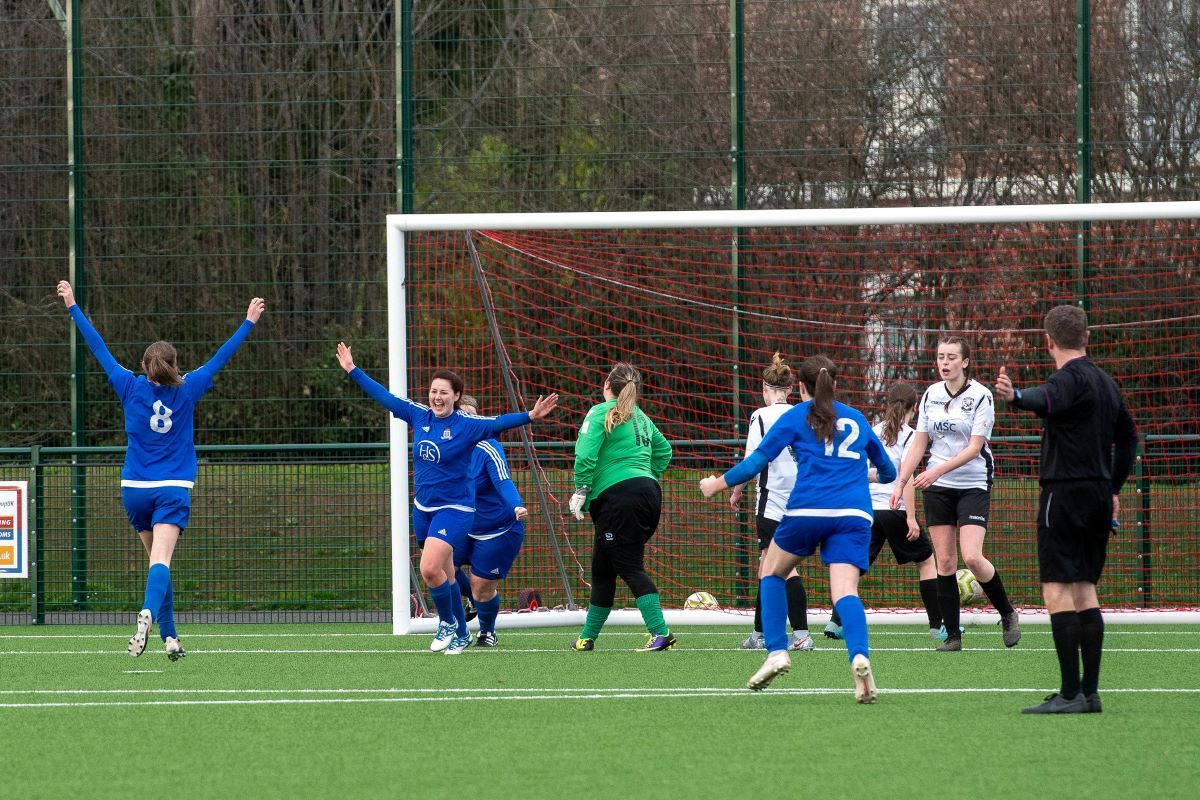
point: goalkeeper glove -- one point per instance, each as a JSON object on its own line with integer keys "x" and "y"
{"x": 577, "y": 501}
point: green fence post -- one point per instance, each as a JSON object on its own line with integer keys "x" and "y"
{"x": 75, "y": 201}
{"x": 737, "y": 165}
{"x": 1083, "y": 146}
{"x": 1143, "y": 523}
{"x": 37, "y": 575}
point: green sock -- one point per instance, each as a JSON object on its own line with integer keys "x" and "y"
{"x": 596, "y": 616}
{"x": 651, "y": 610}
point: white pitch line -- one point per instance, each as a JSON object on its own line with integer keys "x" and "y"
{"x": 567, "y": 690}
{"x": 875, "y": 632}
{"x": 562, "y": 650}
{"x": 542, "y": 695}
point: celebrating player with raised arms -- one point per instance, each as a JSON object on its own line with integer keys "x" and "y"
{"x": 829, "y": 508}
{"x": 956, "y": 414}
{"x": 444, "y": 439}
{"x": 160, "y": 461}
{"x": 772, "y": 488}
{"x": 620, "y": 456}
{"x": 497, "y": 531}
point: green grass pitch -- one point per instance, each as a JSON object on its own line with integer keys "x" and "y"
{"x": 350, "y": 711}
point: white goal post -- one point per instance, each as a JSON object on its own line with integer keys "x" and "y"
{"x": 398, "y": 225}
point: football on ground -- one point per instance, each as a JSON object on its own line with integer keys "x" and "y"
{"x": 700, "y": 600}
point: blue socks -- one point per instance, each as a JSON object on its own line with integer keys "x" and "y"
{"x": 442, "y": 597}
{"x": 464, "y": 582}
{"x": 158, "y": 583}
{"x": 854, "y": 625}
{"x": 166, "y": 615}
{"x": 488, "y": 609}
{"x": 772, "y": 592}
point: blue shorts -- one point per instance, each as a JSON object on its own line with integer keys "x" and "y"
{"x": 447, "y": 524}
{"x": 171, "y": 505}
{"x": 843, "y": 540}
{"x": 493, "y": 557}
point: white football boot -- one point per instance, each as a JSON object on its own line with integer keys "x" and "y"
{"x": 864, "y": 681}
{"x": 776, "y": 664}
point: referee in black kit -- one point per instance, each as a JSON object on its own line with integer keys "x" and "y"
{"x": 1081, "y": 474}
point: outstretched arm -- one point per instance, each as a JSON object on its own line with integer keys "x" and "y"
{"x": 400, "y": 406}
{"x": 95, "y": 342}
{"x": 226, "y": 351}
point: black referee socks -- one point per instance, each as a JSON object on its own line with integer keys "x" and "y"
{"x": 1091, "y": 645}
{"x": 1065, "y": 628}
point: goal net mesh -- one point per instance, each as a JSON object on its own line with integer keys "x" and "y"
{"x": 701, "y": 312}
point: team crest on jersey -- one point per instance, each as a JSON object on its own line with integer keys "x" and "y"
{"x": 428, "y": 451}
{"x": 967, "y": 404}
{"x": 445, "y": 434}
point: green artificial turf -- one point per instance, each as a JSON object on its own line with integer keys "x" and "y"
{"x": 351, "y": 711}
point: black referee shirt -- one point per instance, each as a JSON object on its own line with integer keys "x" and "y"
{"x": 1083, "y": 416}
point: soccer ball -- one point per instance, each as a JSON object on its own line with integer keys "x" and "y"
{"x": 969, "y": 590}
{"x": 700, "y": 600}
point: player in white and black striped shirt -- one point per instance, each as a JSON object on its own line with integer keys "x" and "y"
{"x": 955, "y": 419}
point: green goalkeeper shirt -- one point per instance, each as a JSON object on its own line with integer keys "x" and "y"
{"x": 634, "y": 449}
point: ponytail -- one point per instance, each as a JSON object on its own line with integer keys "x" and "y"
{"x": 625, "y": 382}
{"x": 818, "y": 374}
{"x": 901, "y": 399}
{"x": 159, "y": 364}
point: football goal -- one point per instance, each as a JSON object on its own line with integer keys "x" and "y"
{"x": 526, "y": 304}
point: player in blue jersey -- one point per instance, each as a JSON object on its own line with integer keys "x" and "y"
{"x": 160, "y": 461}
{"x": 830, "y": 508}
{"x": 444, "y": 439}
{"x": 497, "y": 532}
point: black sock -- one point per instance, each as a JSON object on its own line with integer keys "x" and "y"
{"x": 994, "y": 589}
{"x": 1065, "y": 628}
{"x": 758, "y": 611}
{"x": 947, "y": 593}
{"x": 835, "y": 617}
{"x": 1091, "y": 644}
{"x": 929, "y": 597}
{"x": 797, "y": 601}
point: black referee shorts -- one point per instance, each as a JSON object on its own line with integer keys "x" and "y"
{"x": 892, "y": 527}
{"x": 1074, "y": 523}
{"x": 959, "y": 507}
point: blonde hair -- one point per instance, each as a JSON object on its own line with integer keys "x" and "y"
{"x": 625, "y": 382}
{"x": 901, "y": 399}
{"x": 779, "y": 375}
{"x": 467, "y": 400}
{"x": 158, "y": 362}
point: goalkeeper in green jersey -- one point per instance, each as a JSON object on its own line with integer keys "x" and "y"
{"x": 619, "y": 458}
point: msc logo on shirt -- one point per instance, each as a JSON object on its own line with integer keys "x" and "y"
{"x": 428, "y": 451}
